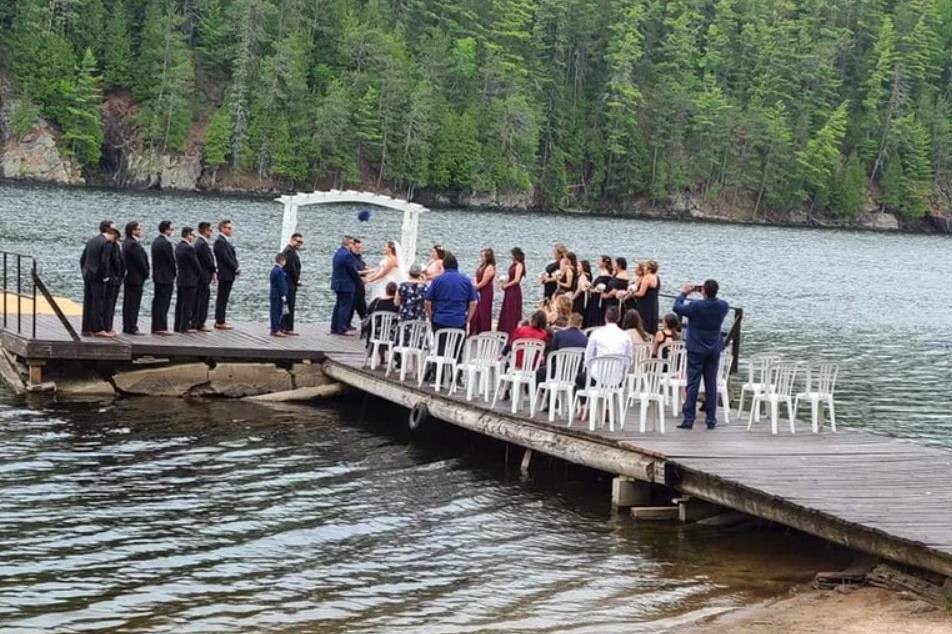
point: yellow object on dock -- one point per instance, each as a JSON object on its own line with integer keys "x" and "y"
{"x": 68, "y": 306}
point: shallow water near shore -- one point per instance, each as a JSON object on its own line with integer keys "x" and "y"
{"x": 215, "y": 516}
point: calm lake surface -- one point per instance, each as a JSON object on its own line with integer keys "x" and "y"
{"x": 216, "y": 516}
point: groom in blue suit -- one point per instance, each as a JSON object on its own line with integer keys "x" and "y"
{"x": 344, "y": 281}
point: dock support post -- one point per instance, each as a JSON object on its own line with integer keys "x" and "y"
{"x": 692, "y": 509}
{"x": 526, "y": 459}
{"x": 36, "y": 371}
{"x": 630, "y": 492}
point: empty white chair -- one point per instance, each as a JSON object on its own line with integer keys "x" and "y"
{"x": 445, "y": 348}
{"x": 562, "y": 367}
{"x": 410, "y": 345}
{"x": 820, "y": 383}
{"x": 604, "y": 388}
{"x": 675, "y": 372}
{"x": 723, "y": 378}
{"x": 639, "y": 354}
{"x": 649, "y": 389}
{"x": 525, "y": 357}
{"x": 481, "y": 355}
{"x": 777, "y": 388}
{"x": 381, "y": 337}
{"x": 756, "y": 372}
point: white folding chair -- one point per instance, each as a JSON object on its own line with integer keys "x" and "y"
{"x": 445, "y": 347}
{"x": 481, "y": 355}
{"x": 723, "y": 378}
{"x": 410, "y": 345}
{"x": 649, "y": 389}
{"x": 675, "y": 372}
{"x": 756, "y": 376}
{"x": 605, "y": 387}
{"x": 525, "y": 357}
{"x": 639, "y": 354}
{"x": 778, "y": 388}
{"x": 562, "y": 367}
{"x": 820, "y": 383}
{"x": 588, "y": 331}
{"x": 381, "y": 337}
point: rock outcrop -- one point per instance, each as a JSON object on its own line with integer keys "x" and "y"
{"x": 35, "y": 156}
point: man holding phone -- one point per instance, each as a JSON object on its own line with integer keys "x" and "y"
{"x": 703, "y": 343}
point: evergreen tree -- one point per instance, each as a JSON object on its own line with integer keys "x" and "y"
{"x": 216, "y": 142}
{"x": 117, "y": 47}
{"x": 849, "y": 194}
{"x": 82, "y": 124}
{"x": 819, "y": 158}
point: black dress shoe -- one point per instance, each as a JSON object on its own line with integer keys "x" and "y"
{"x": 711, "y": 425}
{"x": 683, "y": 426}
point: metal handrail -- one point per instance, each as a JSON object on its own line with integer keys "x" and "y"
{"x": 36, "y": 285}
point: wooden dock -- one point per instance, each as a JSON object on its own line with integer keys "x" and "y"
{"x": 247, "y": 341}
{"x": 876, "y": 494}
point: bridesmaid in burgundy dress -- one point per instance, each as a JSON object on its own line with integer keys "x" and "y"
{"x": 511, "y": 313}
{"x": 485, "y": 276}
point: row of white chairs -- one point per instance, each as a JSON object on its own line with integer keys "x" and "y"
{"x": 771, "y": 382}
{"x": 612, "y": 383}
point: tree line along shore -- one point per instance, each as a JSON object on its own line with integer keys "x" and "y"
{"x": 760, "y": 110}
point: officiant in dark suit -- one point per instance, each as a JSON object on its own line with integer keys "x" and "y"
{"x": 137, "y": 272}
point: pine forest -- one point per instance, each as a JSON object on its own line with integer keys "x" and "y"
{"x": 828, "y": 107}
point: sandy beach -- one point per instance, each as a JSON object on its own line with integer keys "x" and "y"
{"x": 861, "y": 611}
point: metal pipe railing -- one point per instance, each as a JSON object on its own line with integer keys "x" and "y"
{"x": 37, "y": 288}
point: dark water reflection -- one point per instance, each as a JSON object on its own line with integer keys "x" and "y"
{"x": 212, "y": 516}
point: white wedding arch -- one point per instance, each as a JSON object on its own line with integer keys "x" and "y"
{"x": 411, "y": 213}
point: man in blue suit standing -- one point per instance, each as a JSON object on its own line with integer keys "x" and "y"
{"x": 344, "y": 281}
{"x": 703, "y": 343}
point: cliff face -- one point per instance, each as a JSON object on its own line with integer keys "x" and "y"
{"x": 37, "y": 156}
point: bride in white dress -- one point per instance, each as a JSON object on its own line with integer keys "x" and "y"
{"x": 389, "y": 270}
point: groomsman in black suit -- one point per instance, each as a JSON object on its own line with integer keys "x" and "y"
{"x": 206, "y": 262}
{"x": 137, "y": 272}
{"x": 163, "y": 278}
{"x": 189, "y": 271}
{"x": 292, "y": 266}
{"x": 117, "y": 273}
{"x": 94, "y": 263}
{"x": 227, "y": 261}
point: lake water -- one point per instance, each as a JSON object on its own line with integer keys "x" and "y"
{"x": 180, "y": 516}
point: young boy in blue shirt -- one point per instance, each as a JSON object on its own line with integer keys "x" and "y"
{"x": 279, "y": 294}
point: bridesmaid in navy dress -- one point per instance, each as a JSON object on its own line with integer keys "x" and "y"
{"x": 511, "y": 313}
{"x": 485, "y": 276}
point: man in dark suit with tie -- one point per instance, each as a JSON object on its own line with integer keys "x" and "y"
{"x": 117, "y": 273}
{"x": 344, "y": 281}
{"x": 189, "y": 271}
{"x": 227, "y": 261}
{"x": 163, "y": 278}
{"x": 292, "y": 266}
{"x": 703, "y": 343}
{"x": 360, "y": 295}
{"x": 94, "y": 263}
{"x": 206, "y": 261}
{"x": 137, "y": 272}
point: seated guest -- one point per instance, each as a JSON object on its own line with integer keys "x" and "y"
{"x": 534, "y": 329}
{"x": 670, "y": 331}
{"x": 558, "y": 310}
{"x": 411, "y": 295}
{"x": 609, "y": 339}
{"x": 569, "y": 337}
{"x": 635, "y": 329}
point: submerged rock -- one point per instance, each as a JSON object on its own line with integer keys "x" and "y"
{"x": 171, "y": 380}
{"x": 236, "y": 380}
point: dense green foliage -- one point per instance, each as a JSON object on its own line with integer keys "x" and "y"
{"x": 784, "y": 104}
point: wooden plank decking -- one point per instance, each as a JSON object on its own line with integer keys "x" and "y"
{"x": 248, "y": 340}
{"x": 877, "y": 494}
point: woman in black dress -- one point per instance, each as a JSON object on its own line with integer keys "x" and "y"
{"x": 594, "y": 313}
{"x": 584, "y": 275}
{"x": 549, "y": 279}
{"x": 568, "y": 274}
{"x": 617, "y": 286}
{"x": 647, "y": 295}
